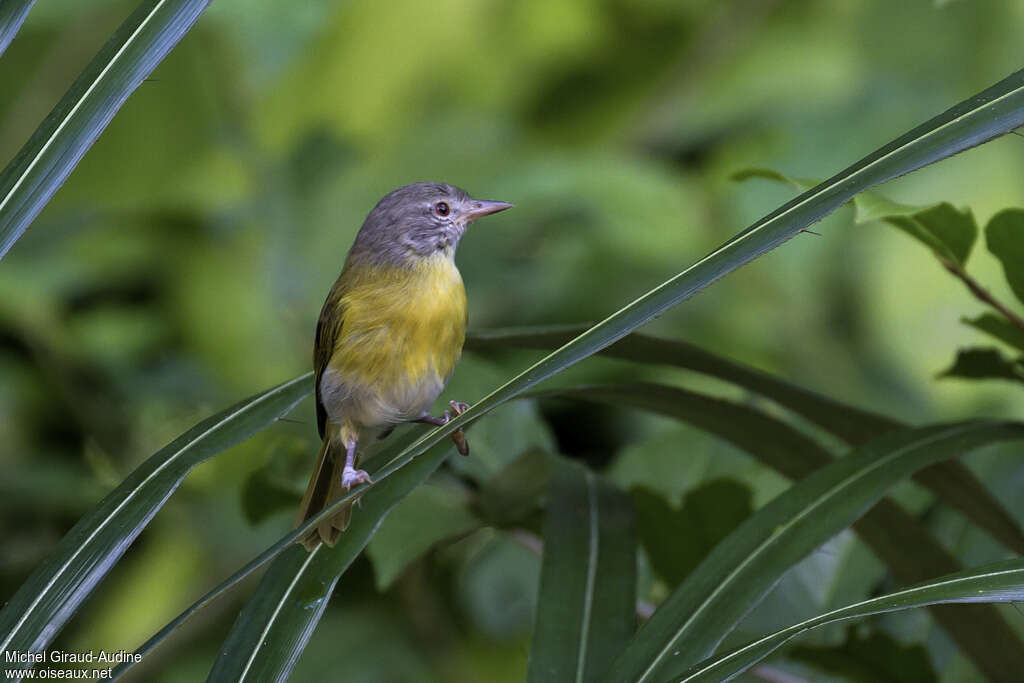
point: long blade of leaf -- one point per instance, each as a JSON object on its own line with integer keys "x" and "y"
{"x": 44, "y": 603}
{"x": 995, "y": 111}
{"x": 895, "y": 537}
{"x": 60, "y": 141}
{"x": 1002, "y": 582}
{"x": 273, "y": 629}
{"x": 741, "y": 569}
{"x": 586, "y": 609}
{"x": 953, "y": 482}
{"x": 12, "y": 16}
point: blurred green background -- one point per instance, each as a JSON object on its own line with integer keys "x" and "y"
{"x": 183, "y": 265}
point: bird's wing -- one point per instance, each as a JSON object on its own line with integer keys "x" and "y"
{"x": 328, "y": 327}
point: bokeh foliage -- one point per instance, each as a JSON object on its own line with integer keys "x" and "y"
{"x": 184, "y": 263}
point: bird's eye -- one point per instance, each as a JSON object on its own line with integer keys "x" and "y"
{"x": 442, "y": 209}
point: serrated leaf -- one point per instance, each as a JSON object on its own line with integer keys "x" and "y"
{"x": 425, "y": 517}
{"x": 741, "y": 569}
{"x": 586, "y": 609}
{"x": 63, "y": 138}
{"x": 998, "y": 327}
{"x": 1005, "y": 237}
{"x": 56, "y": 589}
{"x": 988, "y": 363}
{"x": 946, "y": 230}
{"x": 1002, "y": 582}
{"x": 12, "y": 16}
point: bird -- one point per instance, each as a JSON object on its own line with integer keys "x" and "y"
{"x": 388, "y": 337}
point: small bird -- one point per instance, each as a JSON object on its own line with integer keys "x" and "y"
{"x": 389, "y": 336}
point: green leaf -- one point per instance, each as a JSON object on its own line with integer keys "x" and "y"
{"x": 874, "y": 658}
{"x": 998, "y": 327}
{"x": 894, "y": 536}
{"x": 12, "y": 16}
{"x": 988, "y": 363}
{"x": 741, "y": 569}
{"x": 56, "y": 589}
{"x": 986, "y": 115}
{"x": 272, "y": 630}
{"x": 516, "y": 493}
{"x": 677, "y": 540}
{"x": 1002, "y": 582}
{"x": 60, "y": 141}
{"x": 426, "y": 516}
{"x": 1005, "y": 237}
{"x": 586, "y": 609}
{"x": 944, "y": 229}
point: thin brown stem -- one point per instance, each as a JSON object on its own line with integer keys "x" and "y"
{"x": 983, "y": 294}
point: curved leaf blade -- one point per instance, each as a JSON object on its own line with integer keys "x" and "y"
{"x": 12, "y": 16}
{"x": 951, "y": 481}
{"x": 1002, "y": 582}
{"x": 586, "y": 608}
{"x": 44, "y": 603}
{"x": 63, "y": 138}
{"x": 274, "y": 627}
{"x": 894, "y": 536}
{"x": 741, "y": 570}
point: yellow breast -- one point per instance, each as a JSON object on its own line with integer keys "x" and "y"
{"x": 402, "y": 333}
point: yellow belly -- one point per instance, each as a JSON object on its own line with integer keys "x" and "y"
{"x": 401, "y": 335}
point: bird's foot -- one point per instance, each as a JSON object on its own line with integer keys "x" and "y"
{"x": 350, "y": 477}
{"x": 459, "y": 437}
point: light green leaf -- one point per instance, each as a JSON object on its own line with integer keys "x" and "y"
{"x": 586, "y": 609}
{"x": 1002, "y": 582}
{"x": 426, "y": 516}
{"x": 741, "y": 569}
{"x": 12, "y": 16}
{"x": 83, "y": 557}
{"x": 1005, "y": 237}
{"x": 60, "y": 141}
{"x": 998, "y": 327}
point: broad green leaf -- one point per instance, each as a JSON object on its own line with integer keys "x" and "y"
{"x": 676, "y": 540}
{"x": 83, "y": 557}
{"x": 993, "y": 112}
{"x": 12, "y": 16}
{"x": 998, "y": 327}
{"x": 741, "y": 569}
{"x": 894, "y": 536}
{"x": 875, "y": 657}
{"x": 272, "y": 630}
{"x": 1005, "y": 237}
{"x": 951, "y": 481}
{"x": 586, "y": 609}
{"x": 516, "y": 493}
{"x": 426, "y": 516}
{"x": 987, "y": 363}
{"x": 1002, "y": 582}
{"x": 60, "y": 141}
{"x": 944, "y": 229}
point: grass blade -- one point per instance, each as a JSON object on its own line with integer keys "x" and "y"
{"x": 1002, "y": 582}
{"x": 60, "y": 141}
{"x": 273, "y": 629}
{"x": 741, "y": 569}
{"x": 12, "y": 16}
{"x": 910, "y": 552}
{"x": 587, "y": 602}
{"x": 83, "y": 557}
{"x": 951, "y": 481}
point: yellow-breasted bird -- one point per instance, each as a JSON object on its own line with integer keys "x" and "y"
{"x": 389, "y": 335}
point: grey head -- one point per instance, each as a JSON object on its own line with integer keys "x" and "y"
{"x": 418, "y": 220}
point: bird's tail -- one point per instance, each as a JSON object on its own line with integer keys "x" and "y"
{"x": 325, "y": 488}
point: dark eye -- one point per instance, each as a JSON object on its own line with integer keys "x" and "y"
{"x": 442, "y": 209}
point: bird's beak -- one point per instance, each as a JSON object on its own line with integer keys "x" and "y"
{"x": 481, "y": 207}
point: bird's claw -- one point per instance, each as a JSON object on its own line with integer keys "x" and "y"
{"x": 459, "y": 437}
{"x": 351, "y": 477}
